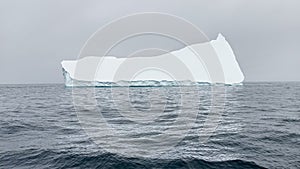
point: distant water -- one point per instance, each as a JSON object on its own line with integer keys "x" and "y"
{"x": 259, "y": 128}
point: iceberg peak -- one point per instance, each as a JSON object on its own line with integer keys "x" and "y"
{"x": 220, "y": 37}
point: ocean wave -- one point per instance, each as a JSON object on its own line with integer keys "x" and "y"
{"x": 45, "y": 158}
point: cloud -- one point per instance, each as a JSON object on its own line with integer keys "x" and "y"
{"x": 36, "y": 35}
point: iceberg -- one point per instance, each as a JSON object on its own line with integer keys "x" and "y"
{"x": 184, "y": 66}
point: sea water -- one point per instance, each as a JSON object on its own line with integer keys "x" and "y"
{"x": 257, "y": 126}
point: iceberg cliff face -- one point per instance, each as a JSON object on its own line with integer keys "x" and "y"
{"x": 184, "y": 66}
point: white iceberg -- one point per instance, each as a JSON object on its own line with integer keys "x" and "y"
{"x": 182, "y": 66}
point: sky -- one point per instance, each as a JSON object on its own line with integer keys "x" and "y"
{"x": 35, "y": 36}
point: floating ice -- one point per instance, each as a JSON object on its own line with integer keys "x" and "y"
{"x": 183, "y": 67}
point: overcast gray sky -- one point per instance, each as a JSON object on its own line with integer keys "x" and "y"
{"x": 35, "y": 35}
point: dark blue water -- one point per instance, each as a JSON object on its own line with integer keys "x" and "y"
{"x": 258, "y": 127}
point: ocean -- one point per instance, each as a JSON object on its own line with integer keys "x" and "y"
{"x": 254, "y": 125}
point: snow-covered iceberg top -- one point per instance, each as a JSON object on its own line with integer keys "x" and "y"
{"x": 182, "y": 66}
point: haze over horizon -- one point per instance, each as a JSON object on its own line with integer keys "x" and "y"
{"x": 35, "y": 36}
